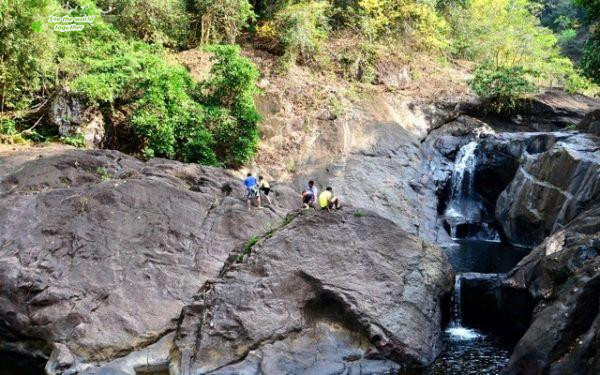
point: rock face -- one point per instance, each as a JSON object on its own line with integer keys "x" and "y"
{"x": 563, "y": 276}
{"x": 591, "y": 123}
{"x": 550, "y": 189}
{"x": 327, "y": 293}
{"x": 74, "y": 118}
{"x": 99, "y": 252}
{"x": 109, "y": 265}
{"x": 384, "y": 170}
{"x": 555, "y": 109}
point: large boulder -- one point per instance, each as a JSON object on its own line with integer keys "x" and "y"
{"x": 326, "y": 293}
{"x": 550, "y": 189}
{"x": 99, "y": 252}
{"x": 563, "y": 277}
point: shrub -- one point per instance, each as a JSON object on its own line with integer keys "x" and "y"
{"x": 302, "y": 28}
{"x": 26, "y": 57}
{"x": 501, "y": 86}
{"x": 75, "y": 140}
{"x": 211, "y": 123}
{"x": 223, "y": 20}
{"x": 157, "y": 21}
{"x": 590, "y": 61}
{"x": 231, "y": 114}
{"x": 401, "y": 19}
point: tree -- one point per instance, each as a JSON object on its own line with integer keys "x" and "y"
{"x": 591, "y": 58}
{"x": 27, "y": 62}
{"x": 223, "y": 20}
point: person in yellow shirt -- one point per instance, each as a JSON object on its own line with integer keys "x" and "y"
{"x": 327, "y": 201}
{"x": 264, "y": 187}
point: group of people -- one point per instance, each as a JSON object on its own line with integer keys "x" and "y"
{"x": 254, "y": 188}
{"x": 310, "y": 197}
{"x": 326, "y": 200}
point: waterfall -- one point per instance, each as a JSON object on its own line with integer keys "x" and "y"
{"x": 462, "y": 207}
{"x": 456, "y": 329}
{"x": 465, "y": 165}
{"x": 456, "y": 302}
{"x": 465, "y": 207}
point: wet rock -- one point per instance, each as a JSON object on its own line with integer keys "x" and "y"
{"x": 99, "y": 252}
{"x": 74, "y": 118}
{"x": 563, "y": 277}
{"x": 550, "y": 189}
{"x": 490, "y": 306}
{"x": 324, "y": 293}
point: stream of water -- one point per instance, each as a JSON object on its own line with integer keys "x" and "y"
{"x": 466, "y": 349}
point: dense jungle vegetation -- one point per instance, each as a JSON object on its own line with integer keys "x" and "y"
{"x": 124, "y": 59}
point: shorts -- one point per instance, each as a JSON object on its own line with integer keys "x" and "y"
{"x": 265, "y": 190}
{"x": 330, "y": 205}
{"x": 251, "y": 193}
{"x": 307, "y": 199}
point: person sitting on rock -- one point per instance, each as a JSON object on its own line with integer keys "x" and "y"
{"x": 306, "y": 198}
{"x": 264, "y": 187}
{"x": 327, "y": 201}
{"x": 313, "y": 190}
{"x": 252, "y": 191}
{"x": 309, "y": 196}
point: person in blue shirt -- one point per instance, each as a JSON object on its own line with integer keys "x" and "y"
{"x": 252, "y": 191}
{"x": 309, "y": 196}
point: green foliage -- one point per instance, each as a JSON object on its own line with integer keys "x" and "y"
{"x": 590, "y": 62}
{"x": 156, "y": 21}
{"x": 26, "y": 57}
{"x": 358, "y": 213}
{"x": 592, "y": 7}
{"x": 168, "y": 120}
{"x": 508, "y": 33}
{"x": 301, "y": 30}
{"x": 501, "y": 86}
{"x": 75, "y": 140}
{"x": 231, "y": 114}
{"x": 215, "y": 123}
{"x": 7, "y": 127}
{"x": 9, "y": 133}
{"x": 223, "y": 20}
{"x": 416, "y": 20}
{"x": 247, "y": 248}
{"x": 103, "y": 173}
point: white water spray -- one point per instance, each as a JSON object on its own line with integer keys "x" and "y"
{"x": 455, "y": 329}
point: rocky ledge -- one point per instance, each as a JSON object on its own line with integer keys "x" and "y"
{"x": 109, "y": 265}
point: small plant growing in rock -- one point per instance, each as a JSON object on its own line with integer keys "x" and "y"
{"x": 247, "y": 248}
{"x": 76, "y": 140}
{"x": 103, "y": 173}
{"x": 358, "y": 213}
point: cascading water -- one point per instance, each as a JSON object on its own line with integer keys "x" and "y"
{"x": 462, "y": 208}
{"x": 464, "y": 204}
{"x": 455, "y": 328}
